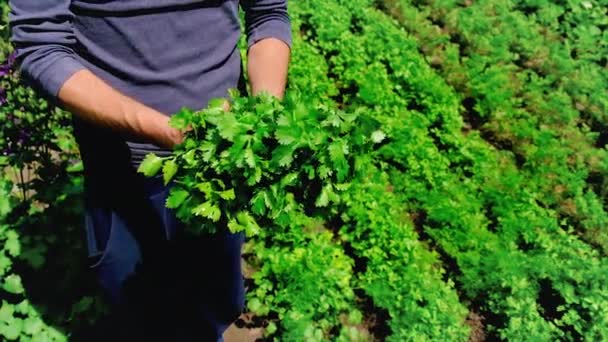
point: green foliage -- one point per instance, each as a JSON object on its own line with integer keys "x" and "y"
{"x": 431, "y": 154}
{"x": 305, "y": 280}
{"x": 40, "y": 210}
{"x": 528, "y": 92}
{"x": 235, "y": 168}
{"x": 13, "y": 325}
{"x": 443, "y": 165}
{"x": 378, "y": 228}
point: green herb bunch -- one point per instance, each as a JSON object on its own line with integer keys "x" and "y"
{"x": 261, "y": 160}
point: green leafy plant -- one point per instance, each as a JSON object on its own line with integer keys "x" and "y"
{"x": 235, "y": 168}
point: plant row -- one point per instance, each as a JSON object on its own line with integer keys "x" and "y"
{"x": 479, "y": 50}
{"x": 421, "y": 161}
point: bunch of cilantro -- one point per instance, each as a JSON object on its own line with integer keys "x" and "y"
{"x": 261, "y": 161}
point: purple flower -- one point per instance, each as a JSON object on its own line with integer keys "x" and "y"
{"x": 5, "y": 69}
{"x": 24, "y": 134}
{"x": 12, "y": 57}
{"x": 7, "y": 66}
{"x": 2, "y": 96}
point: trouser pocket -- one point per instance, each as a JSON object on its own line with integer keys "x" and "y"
{"x": 98, "y": 230}
{"x": 113, "y": 251}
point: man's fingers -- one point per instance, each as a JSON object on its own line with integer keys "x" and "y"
{"x": 226, "y": 105}
{"x": 175, "y": 136}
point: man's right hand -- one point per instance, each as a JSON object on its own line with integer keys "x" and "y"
{"x": 93, "y": 100}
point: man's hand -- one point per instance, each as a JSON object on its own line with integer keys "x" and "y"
{"x": 267, "y": 66}
{"x": 172, "y": 137}
{"x": 89, "y": 97}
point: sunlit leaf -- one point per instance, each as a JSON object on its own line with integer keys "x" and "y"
{"x": 150, "y": 165}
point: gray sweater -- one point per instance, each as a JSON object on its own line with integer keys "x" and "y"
{"x": 167, "y": 54}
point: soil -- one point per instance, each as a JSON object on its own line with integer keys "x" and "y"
{"x": 475, "y": 321}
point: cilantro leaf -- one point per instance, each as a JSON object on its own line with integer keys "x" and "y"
{"x": 176, "y": 198}
{"x": 228, "y": 194}
{"x": 12, "y": 284}
{"x": 169, "y": 170}
{"x": 208, "y": 210}
{"x": 150, "y": 165}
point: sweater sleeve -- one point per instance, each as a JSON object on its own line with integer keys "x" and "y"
{"x": 42, "y": 33}
{"x": 265, "y": 19}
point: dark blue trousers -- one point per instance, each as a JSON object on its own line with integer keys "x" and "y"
{"x": 164, "y": 284}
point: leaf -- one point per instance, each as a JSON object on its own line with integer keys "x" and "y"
{"x": 184, "y": 211}
{"x": 32, "y": 325}
{"x": 228, "y": 194}
{"x": 284, "y": 120}
{"x": 258, "y": 203}
{"x": 337, "y": 150}
{"x": 55, "y": 335}
{"x": 205, "y": 187}
{"x": 12, "y": 330}
{"x": 271, "y": 328}
{"x": 215, "y": 214}
{"x": 169, "y": 170}
{"x": 234, "y": 93}
{"x": 202, "y": 209}
{"x": 84, "y": 304}
{"x": 251, "y": 226}
{"x": 333, "y": 120}
{"x": 25, "y": 308}
{"x": 236, "y": 150}
{"x": 324, "y": 171}
{"x": 208, "y": 210}
{"x": 250, "y": 157}
{"x": 208, "y": 150}
{"x": 12, "y": 245}
{"x": 5, "y": 263}
{"x": 378, "y": 136}
{"x": 13, "y": 284}
{"x": 35, "y": 256}
{"x": 323, "y": 199}
{"x": 76, "y": 167}
{"x": 218, "y": 182}
{"x": 265, "y": 107}
{"x": 150, "y": 165}
{"x": 5, "y": 204}
{"x": 176, "y": 198}
{"x": 254, "y": 304}
{"x": 255, "y": 177}
{"x": 355, "y": 317}
{"x": 289, "y": 179}
{"x": 286, "y": 135}
{"x": 282, "y": 155}
{"x": 181, "y": 119}
{"x": 5, "y": 198}
{"x": 217, "y": 103}
{"x": 234, "y": 226}
{"x": 189, "y": 157}
{"x": 6, "y": 311}
{"x": 228, "y": 126}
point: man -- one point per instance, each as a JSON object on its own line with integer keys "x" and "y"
{"x": 122, "y": 67}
